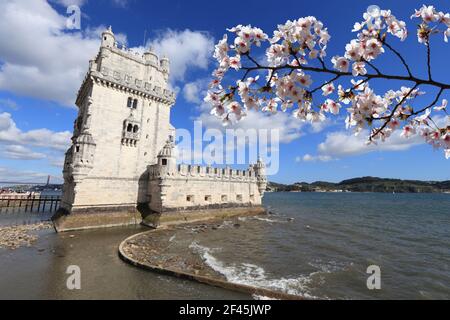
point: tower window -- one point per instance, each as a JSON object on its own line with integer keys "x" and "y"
{"x": 130, "y": 102}
{"x": 208, "y": 198}
{"x": 164, "y": 162}
{"x": 239, "y": 197}
{"x": 224, "y": 198}
{"x": 135, "y": 128}
{"x": 77, "y": 149}
{"x": 130, "y": 127}
{"x": 135, "y": 102}
{"x": 190, "y": 198}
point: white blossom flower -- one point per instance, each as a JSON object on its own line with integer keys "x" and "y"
{"x": 218, "y": 110}
{"x": 359, "y": 68}
{"x": 393, "y": 124}
{"x": 446, "y": 34}
{"x": 304, "y": 80}
{"x": 442, "y": 106}
{"x": 235, "y": 108}
{"x": 422, "y": 119}
{"x": 271, "y": 106}
{"x": 331, "y": 106}
{"x": 241, "y": 45}
{"x": 328, "y": 89}
{"x": 340, "y": 63}
{"x": 235, "y": 62}
{"x": 408, "y": 131}
{"x": 353, "y": 50}
{"x": 373, "y": 48}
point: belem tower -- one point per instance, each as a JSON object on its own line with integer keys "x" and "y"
{"x": 121, "y": 167}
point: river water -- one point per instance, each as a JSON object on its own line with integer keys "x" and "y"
{"x": 316, "y": 245}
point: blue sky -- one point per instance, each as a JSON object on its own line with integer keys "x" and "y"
{"x": 40, "y": 71}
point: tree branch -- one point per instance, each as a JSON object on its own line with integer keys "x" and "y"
{"x": 399, "y": 56}
{"x": 326, "y": 83}
{"x": 388, "y": 118}
{"x": 416, "y": 80}
{"x": 373, "y": 67}
{"x": 429, "y": 59}
{"x": 430, "y": 105}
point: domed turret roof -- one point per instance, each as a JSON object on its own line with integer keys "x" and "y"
{"x": 108, "y": 31}
{"x": 168, "y": 150}
{"x": 260, "y": 163}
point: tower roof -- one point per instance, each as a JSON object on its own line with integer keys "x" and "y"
{"x": 168, "y": 150}
{"x": 108, "y": 31}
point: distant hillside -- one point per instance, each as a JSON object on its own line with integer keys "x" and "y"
{"x": 366, "y": 184}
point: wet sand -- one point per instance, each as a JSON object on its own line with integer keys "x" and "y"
{"x": 39, "y": 271}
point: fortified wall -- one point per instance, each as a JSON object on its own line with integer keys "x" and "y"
{"x": 175, "y": 189}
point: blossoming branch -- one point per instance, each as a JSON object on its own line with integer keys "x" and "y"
{"x": 283, "y": 78}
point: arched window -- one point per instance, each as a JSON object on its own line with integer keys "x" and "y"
{"x": 130, "y": 127}
{"x": 135, "y": 128}
{"x": 130, "y": 102}
{"x": 135, "y": 102}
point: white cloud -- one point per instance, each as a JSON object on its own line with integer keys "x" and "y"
{"x": 185, "y": 49}
{"x": 10, "y": 134}
{"x": 193, "y": 91}
{"x": 38, "y": 58}
{"x": 310, "y": 158}
{"x": 344, "y": 143}
{"x": 18, "y": 152}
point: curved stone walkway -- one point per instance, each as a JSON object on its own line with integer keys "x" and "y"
{"x": 154, "y": 250}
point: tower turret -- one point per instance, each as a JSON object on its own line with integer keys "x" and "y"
{"x": 260, "y": 172}
{"x": 151, "y": 57}
{"x": 166, "y": 159}
{"x": 83, "y": 155}
{"x": 165, "y": 66}
{"x": 108, "y": 38}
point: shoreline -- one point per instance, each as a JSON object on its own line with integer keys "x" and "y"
{"x": 151, "y": 250}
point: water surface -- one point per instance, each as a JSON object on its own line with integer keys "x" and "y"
{"x": 315, "y": 245}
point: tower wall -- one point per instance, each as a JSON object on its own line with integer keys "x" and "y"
{"x": 123, "y": 122}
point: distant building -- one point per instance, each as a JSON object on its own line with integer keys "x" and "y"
{"x": 121, "y": 168}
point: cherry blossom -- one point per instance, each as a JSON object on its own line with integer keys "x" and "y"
{"x": 442, "y": 106}
{"x": 328, "y": 89}
{"x": 331, "y": 106}
{"x": 429, "y": 15}
{"x": 408, "y": 131}
{"x": 282, "y": 77}
{"x": 340, "y": 63}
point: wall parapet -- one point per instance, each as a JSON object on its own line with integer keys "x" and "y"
{"x": 206, "y": 172}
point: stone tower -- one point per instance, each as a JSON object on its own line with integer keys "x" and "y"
{"x": 123, "y": 122}
{"x": 260, "y": 173}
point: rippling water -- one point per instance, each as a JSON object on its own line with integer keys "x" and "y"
{"x": 315, "y": 245}
{"x": 325, "y": 250}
